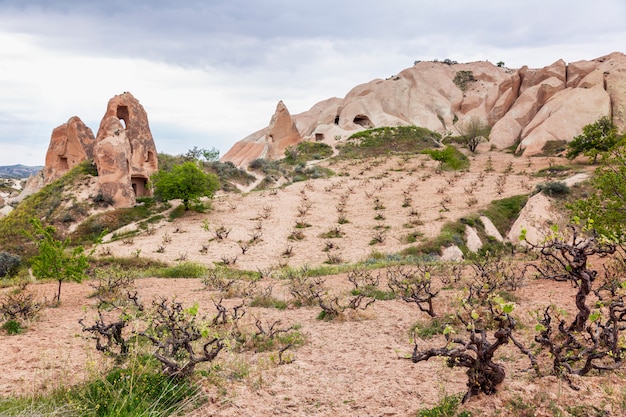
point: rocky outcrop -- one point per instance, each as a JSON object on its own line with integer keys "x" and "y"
{"x": 536, "y": 218}
{"x": 70, "y": 144}
{"x": 525, "y": 107}
{"x": 269, "y": 143}
{"x": 451, "y": 254}
{"x": 490, "y": 229}
{"x": 472, "y": 240}
{"x": 124, "y": 154}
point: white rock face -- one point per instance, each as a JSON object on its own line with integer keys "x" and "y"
{"x": 472, "y": 239}
{"x": 535, "y": 217}
{"x": 5, "y": 210}
{"x": 490, "y": 229}
{"x": 575, "y": 179}
{"x": 452, "y": 253}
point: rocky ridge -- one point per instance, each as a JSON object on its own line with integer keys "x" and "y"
{"x": 526, "y": 108}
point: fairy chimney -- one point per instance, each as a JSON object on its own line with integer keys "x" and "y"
{"x": 125, "y": 154}
{"x": 70, "y": 144}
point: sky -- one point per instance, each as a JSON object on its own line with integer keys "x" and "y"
{"x": 210, "y": 72}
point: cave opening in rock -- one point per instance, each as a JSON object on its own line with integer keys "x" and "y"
{"x": 337, "y": 119}
{"x": 363, "y": 120}
{"x": 140, "y": 186}
{"x": 122, "y": 114}
{"x": 319, "y": 137}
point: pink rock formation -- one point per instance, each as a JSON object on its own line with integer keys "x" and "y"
{"x": 511, "y": 101}
{"x": 124, "y": 154}
{"x": 70, "y": 144}
{"x": 269, "y": 143}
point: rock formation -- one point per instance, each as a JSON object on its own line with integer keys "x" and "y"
{"x": 124, "y": 154}
{"x": 270, "y": 142}
{"x": 70, "y": 144}
{"x": 527, "y": 108}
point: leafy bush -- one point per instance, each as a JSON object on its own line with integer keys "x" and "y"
{"x": 9, "y": 264}
{"x": 12, "y": 327}
{"x": 553, "y": 188}
{"x": 450, "y": 158}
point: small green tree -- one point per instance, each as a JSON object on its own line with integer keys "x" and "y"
{"x": 597, "y": 137}
{"x": 604, "y": 209}
{"x": 186, "y": 182}
{"x": 473, "y": 131}
{"x": 56, "y": 259}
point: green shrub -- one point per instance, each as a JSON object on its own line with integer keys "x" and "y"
{"x": 9, "y": 264}
{"x": 449, "y": 158}
{"x": 553, "y": 188}
{"x": 462, "y": 78}
{"x": 12, "y": 327}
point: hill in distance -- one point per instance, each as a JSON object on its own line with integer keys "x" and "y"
{"x": 18, "y": 171}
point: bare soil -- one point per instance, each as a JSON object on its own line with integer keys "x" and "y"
{"x": 354, "y": 366}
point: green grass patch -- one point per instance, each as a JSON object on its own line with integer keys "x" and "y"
{"x": 182, "y": 270}
{"x": 266, "y": 301}
{"x": 47, "y": 205}
{"x": 388, "y": 141}
{"x": 137, "y": 391}
{"x": 447, "y": 407}
{"x": 307, "y": 151}
{"x": 92, "y": 228}
{"x": 504, "y": 212}
{"x": 556, "y": 171}
{"x": 374, "y": 292}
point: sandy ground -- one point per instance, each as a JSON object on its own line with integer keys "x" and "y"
{"x": 352, "y": 367}
{"x": 374, "y": 194}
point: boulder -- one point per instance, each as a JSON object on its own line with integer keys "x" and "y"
{"x": 490, "y": 229}
{"x": 124, "y": 154}
{"x": 5, "y": 210}
{"x": 536, "y": 218}
{"x": 472, "y": 240}
{"x": 452, "y": 254}
{"x": 71, "y": 143}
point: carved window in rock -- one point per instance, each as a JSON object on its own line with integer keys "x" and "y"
{"x": 319, "y": 137}
{"x": 63, "y": 164}
{"x": 123, "y": 115}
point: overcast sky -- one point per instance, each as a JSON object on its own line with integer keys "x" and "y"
{"x": 210, "y": 72}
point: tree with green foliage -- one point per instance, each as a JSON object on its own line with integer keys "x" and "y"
{"x": 448, "y": 158}
{"x": 197, "y": 154}
{"x": 604, "y": 209}
{"x": 56, "y": 259}
{"x": 473, "y": 131}
{"x": 598, "y": 137}
{"x": 186, "y": 182}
